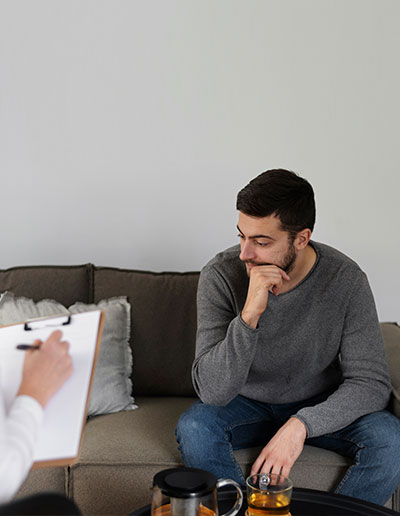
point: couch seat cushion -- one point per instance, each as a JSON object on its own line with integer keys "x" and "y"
{"x": 51, "y": 480}
{"x": 122, "y": 452}
{"x": 145, "y": 435}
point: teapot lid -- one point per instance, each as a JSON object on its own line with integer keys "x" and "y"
{"x": 185, "y": 482}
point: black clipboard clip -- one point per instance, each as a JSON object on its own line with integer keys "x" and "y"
{"x": 47, "y": 323}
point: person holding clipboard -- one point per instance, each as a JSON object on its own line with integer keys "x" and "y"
{"x": 47, "y": 366}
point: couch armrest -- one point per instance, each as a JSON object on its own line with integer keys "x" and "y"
{"x": 391, "y": 338}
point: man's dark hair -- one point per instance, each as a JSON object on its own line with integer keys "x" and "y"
{"x": 283, "y": 194}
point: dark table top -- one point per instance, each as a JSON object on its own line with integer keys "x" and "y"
{"x": 305, "y": 502}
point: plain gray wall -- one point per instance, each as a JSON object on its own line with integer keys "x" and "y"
{"x": 127, "y": 127}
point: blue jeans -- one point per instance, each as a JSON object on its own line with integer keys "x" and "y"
{"x": 207, "y": 436}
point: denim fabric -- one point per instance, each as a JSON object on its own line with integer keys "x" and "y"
{"x": 208, "y": 434}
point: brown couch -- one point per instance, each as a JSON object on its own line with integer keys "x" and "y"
{"x": 121, "y": 452}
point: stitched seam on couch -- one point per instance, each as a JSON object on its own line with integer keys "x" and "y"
{"x": 90, "y": 274}
{"x": 164, "y": 463}
{"x": 150, "y": 273}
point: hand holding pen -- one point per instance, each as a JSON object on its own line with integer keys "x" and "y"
{"x": 47, "y": 366}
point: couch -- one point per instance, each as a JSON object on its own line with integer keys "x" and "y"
{"x": 121, "y": 452}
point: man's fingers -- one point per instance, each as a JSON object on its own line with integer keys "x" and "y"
{"x": 256, "y": 466}
{"x": 262, "y": 464}
{"x": 283, "y": 274}
{"x": 276, "y": 468}
{"x": 270, "y": 269}
{"x": 266, "y": 468}
{"x": 265, "y": 464}
{"x": 275, "y": 290}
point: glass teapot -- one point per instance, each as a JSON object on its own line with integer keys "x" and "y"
{"x": 189, "y": 492}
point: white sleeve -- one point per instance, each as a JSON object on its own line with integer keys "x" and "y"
{"x": 18, "y": 433}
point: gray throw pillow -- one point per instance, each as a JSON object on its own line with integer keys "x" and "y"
{"x": 112, "y": 386}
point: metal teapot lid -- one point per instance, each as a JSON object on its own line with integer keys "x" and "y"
{"x": 185, "y": 482}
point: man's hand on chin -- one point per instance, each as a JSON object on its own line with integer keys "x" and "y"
{"x": 282, "y": 450}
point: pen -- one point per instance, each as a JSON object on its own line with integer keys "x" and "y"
{"x": 24, "y": 347}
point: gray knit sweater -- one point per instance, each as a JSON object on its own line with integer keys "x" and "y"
{"x": 322, "y": 335}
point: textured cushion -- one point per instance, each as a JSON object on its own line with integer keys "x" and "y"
{"x": 121, "y": 453}
{"x": 111, "y": 389}
{"x": 112, "y": 385}
{"x": 54, "y": 480}
{"x": 163, "y": 315}
{"x": 15, "y": 309}
{"x": 391, "y": 337}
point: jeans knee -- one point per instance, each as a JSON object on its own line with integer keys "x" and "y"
{"x": 191, "y": 424}
{"x": 384, "y": 436}
{"x": 389, "y": 442}
{"x": 185, "y": 427}
{"x": 198, "y": 428}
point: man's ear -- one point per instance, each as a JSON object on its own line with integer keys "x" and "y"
{"x": 302, "y": 239}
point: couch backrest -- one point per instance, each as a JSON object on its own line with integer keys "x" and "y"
{"x": 163, "y": 331}
{"x": 65, "y": 284}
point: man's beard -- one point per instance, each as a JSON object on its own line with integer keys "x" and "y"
{"x": 288, "y": 260}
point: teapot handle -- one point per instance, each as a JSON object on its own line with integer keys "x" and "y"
{"x": 239, "y": 499}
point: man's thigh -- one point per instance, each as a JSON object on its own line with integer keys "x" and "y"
{"x": 243, "y": 422}
{"x": 377, "y": 429}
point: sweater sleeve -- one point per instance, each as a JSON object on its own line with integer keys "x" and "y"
{"x": 18, "y": 433}
{"x": 225, "y": 344}
{"x": 366, "y": 383}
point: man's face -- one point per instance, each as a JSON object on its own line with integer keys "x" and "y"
{"x": 263, "y": 242}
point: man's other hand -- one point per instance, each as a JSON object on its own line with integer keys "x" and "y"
{"x": 46, "y": 369}
{"x": 282, "y": 451}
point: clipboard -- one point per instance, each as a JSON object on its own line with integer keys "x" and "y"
{"x": 60, "y": 435}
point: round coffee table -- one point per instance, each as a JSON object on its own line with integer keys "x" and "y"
{"x": 305, "y": 502}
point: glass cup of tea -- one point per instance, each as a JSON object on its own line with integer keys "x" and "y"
{"x": 268, "y": 494}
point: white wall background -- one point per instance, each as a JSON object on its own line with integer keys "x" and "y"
{"x": 127, "y": 127}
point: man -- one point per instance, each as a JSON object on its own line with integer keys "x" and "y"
{"x": 289, "y": 350}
